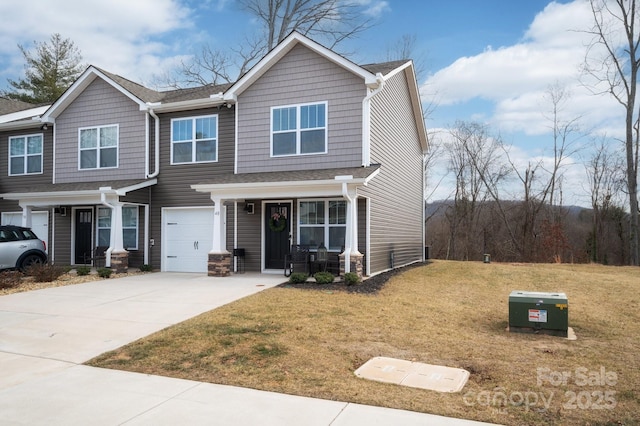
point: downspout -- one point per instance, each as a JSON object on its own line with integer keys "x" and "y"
{"x": 366, "y": 120}
{"x": 103, "y": 201}
{"x": 156, "y": 144}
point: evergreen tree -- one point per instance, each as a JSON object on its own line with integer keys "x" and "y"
{"x": 49, "y": 70}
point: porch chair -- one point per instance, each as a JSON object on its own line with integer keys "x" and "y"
{"x": 98, "y": 257}
{"x": 297, "y": 260}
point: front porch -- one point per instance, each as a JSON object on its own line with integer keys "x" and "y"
{"x": 268, "y": 213}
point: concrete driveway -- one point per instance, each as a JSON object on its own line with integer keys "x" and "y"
{"x": 45, "y": 336}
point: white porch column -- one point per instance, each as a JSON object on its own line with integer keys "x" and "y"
{"x": 116, "y": 228}
{"x": 351, "y": 237}
{"x": 219, "y": 229}
{"x": 26, "y": 216}
{"x": 219, "y": 264}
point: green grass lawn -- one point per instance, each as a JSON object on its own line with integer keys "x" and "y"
{"x": 309, "y": 342}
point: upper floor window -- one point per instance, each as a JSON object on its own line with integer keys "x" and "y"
{"x": 299, "y": 129}
{"x": 25, "y": 155}
{"x": 194, "y": 140}
{"x": 98, "y": 147}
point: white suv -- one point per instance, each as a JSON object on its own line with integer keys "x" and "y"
{"x": 20, "y": 248}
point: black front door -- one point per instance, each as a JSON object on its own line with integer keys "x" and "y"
{"x": 84, "y": 226}
{"x": 277, "y": 218}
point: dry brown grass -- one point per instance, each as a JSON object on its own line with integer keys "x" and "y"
{"x": 447, "y": 313}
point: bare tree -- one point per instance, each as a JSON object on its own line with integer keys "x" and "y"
{"x": 613, "y": 59}
{"x": 327, "y": 21}
{"x": 564, "y": 134}
{"x": 473, "y": 159}
{"x": 605, "y": 171}
{"x": 331, "y": 21}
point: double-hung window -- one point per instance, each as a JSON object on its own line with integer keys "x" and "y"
{"x": 98, "y": 147}
{"x": 323, "y": 222}
{"x": 299, "y": 129}
{"x": 194, "y": 140}
{"x": 129, "y": 227}
{"x": 25, "y": 155}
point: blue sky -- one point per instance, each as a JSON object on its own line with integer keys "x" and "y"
{"x": 485, "y": 60}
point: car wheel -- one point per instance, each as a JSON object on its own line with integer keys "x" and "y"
{"x": 32, "y": 259}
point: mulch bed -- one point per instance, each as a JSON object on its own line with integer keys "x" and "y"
{"x": 371, "y": 285}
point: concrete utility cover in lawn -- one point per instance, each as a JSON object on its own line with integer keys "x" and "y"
{"x": 414, "y": 374}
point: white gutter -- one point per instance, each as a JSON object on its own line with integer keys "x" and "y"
{"x": 156, "y": 144}
{"x": 366, "y": 120}
{"x": 33, "y": 113}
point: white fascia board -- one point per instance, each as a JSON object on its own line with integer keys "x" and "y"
{"x": 92, "y": 196}
{"x": 283, "y": 48}
{"x": 45, "y": 199}
{"x": 33, "y": 113}
{"x": 211, "y": 101}
{"x": 21, "y": 125}
{"x": 298, "y": 189}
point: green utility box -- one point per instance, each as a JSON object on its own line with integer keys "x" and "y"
{"x": 536, "y": 312}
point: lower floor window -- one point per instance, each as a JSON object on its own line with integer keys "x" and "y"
{"x": 129, "y": 227}
{"x": 323, "y": 222}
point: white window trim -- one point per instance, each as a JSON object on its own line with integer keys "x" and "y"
{"x": 137, "y": 227}
{"x": 298, "y": 130}
{"x": 98, "y": 148}
{"x": 193, "y": 139}
{"x": 25, "y": 155}
{"x": 326, "y": 225}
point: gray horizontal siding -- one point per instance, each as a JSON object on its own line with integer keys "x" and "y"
{"x": 397, "y": 192}
{"x": 302, "y": 76}
{"x": 14, "y": 183}
{"x": 101, "y": 104}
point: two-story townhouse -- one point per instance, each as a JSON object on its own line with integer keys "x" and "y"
{"x": 334, "y": 149}
{"x": 307, "y": 148}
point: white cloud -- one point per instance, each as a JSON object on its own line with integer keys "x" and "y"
{"x": 515, "y": 79}
{"x": 122, "y": 36}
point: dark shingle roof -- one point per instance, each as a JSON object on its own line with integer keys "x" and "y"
{"x": 384, "y": 67}
{"x": 78, "y": 186}
{"x": 8, "y": 106}
{"x": 291, "y": 176}
{"x": 176, "y": 95}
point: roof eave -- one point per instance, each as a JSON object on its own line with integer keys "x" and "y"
{"x": 306, "y": 188}
{"x": 211, "y": 101}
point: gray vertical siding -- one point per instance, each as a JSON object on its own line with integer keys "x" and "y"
{"x": 302, "y": 76}
{"x": 397, "y": 192}
{"x": 250, "y": 235}
{"x": 101, "y": 104}
{"x": 174, "y": 181}
{"x": 62, "y": 239}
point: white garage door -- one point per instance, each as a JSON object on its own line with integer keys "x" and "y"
{"x": 39, "y": 223}
{"x": 187, "y": 239}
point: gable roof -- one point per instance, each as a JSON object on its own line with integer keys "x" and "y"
{"x": 146, "y": 98}
{"x": 371, "y": 79}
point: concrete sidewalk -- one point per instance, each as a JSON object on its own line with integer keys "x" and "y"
{"x": 46, "y": 334}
